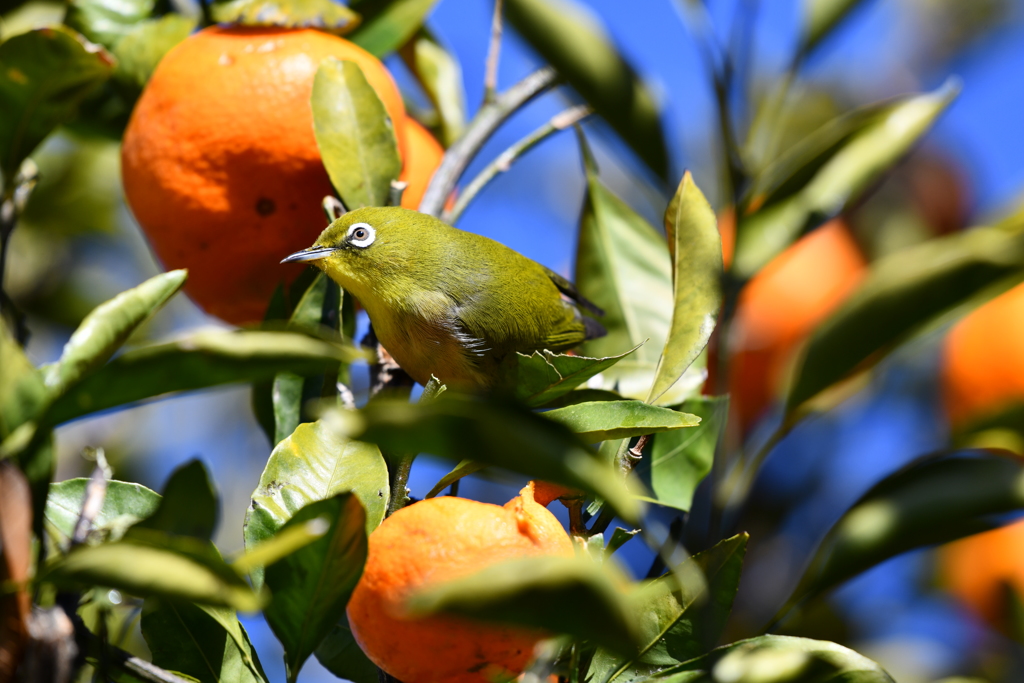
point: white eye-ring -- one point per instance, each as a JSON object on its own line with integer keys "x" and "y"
{"x": 361, "y": 235}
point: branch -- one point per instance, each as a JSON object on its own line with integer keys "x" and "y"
{"x": 95, "y": 493}
{"x": 625, "y": 461}
{"x": 504, "y": 161}
{"x": 483, "y": 125}
{"x": 493, "y": 52}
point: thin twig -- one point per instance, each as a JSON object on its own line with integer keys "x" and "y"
{"x": 504, "y": 161}
{"x": 480, "y": 129}
{"x": 396, "y": 191}
{"x": 493, "y": 54}
{"x": 625, "y": 460}
{"x": 95, "y": 493}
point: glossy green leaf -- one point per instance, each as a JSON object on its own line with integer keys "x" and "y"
{"x": 124, "y": 504}
{"x": 696, "y": 250}
{"x": 340, "y": 654}
{"x": 325, "y": 15}
{"x": 202, "y": 642}
{"x": 389, "y": 25}
{"x": 605, "y": 420}
{"x": 681, "y": 623}
{"x": 680, "y": 460}
{"x": 200, "y": 360}
{"x": 820, "y": 18}
{"x": 463, "y": 469}
{"x": 152, "y": 564}
{"x": 311, "y": 586}
{"x": 619, "y": 538}
{"x": 354, "y": 133}
{"x": 580, "y": 50}
{"x": 188, "y": 504}
{"x": 544, "y": 376}
{"x": 107, "y": 21}
{"x": 568, "y": 595}
{"x": 494, "y": 432}
{"x": 935, "y": 499}
{"x": 108, "y": 327}
{"x": 901, "y": 294}
{"x": 840, "y": 181}
{"x": 779, "y": 659}
{"x": 142, "y": 48}
{"x": 438, "y": 72}
{"x": 280, "y": 545}
{"x": 46, "y": 75}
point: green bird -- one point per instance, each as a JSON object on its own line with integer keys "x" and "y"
{"x": 446, "y": 302}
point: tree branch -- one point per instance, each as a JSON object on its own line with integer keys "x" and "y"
{"x": 493, "y": 53}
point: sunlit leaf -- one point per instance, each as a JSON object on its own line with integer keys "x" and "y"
{"x": 463, "y": 469}
{"x": 142, "y": 48}
{"x": 389, "y": 24}
{"x": 124, "y": 504}
{"x": 107, "y": 21}
{"x": 438, "y": 72}
{"x": 46, "y": 74}
{"x": 604, "y": 420}
{"x": 580, "y": 50}
{"x": 354, "y": 133}
{"x": 544, "y": 376}
{"x": 188, "y": 504}
{"x": 325, "y": 15}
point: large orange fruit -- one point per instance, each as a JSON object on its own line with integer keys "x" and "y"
{"x": 438, "y": 540}
{"x": 781, "y": 306}
{"x": 977, "y": 569}
{"x": 220, "y": 165}
{"x": 422, "y": 157}
{"x": 983, "y": 360}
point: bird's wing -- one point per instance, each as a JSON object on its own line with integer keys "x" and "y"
{"x": 569, "y": 289}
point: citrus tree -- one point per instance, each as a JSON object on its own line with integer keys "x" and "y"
{"x": 246, "y": 122}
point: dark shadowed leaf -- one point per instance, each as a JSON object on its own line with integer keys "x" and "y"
{"x": 438, "y": 72}
{"x": 839, "y": 181}
{"x": 325, "y": 15}
{"x": 544, "y": 376}
{"x": 493, "y": 432}
{"x": 389, "y": 25}
{"x": 15, "y": 564}
{"x": 463, "y": 469}
{"x": 340, "y": 654}
{"x": 619, "y": 538}
{"x": 145, "y": 44}
{"x": 107, "y": 327}
{"x": 311, "y": 586}
{"x": 200, "y": 360}
{"x": 46, "y": 75}
{"x": 696, "y": 250}
{"x": 124, "y": 504}
{"x": 107, "y": 21}
{"x": 354, "y": 133}
{"x": 901, "y": 294}
{"x": 604, "y": 420}
{"x": 574, "y": 596}
{"x": 820, "y": 18}
{"x": 22, "y": 392}
{"x": 780, "y": 659}
{"x": 204, "y": 643}
{"x": 188, "y": 504}
{"x": 580, "y": 50}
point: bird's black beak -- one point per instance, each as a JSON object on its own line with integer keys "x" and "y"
{"x": 311, "y": 254}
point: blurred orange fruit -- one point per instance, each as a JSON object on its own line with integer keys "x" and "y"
{"x": 219, "y": 161}
{"x": 780, "y": 307}
{"x": 422, "y": 157}
{"x": 982, "y": 368}
{"x": 977, "y": 569}
{"x": 438, "y": 540}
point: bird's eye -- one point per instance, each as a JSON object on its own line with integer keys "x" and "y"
{"x": 361, "y": 235}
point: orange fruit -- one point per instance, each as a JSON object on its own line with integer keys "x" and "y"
{"x": 982, "y": 367}
{"x": 976, "y": 570}
{"x": 437, "y": 540}
{"x": 780, "y": 307}
{"x": 422, "y": 157}
{"x": 219, "y": 161}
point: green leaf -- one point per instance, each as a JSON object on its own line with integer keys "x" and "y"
{"x": 935, "y": 499}
{"x": 152, "y": 564}
{"x": 606, "y": 420}
{"x": 340, "y": 654}
{"x": 389, "y": 25}
{"x": 463, "y": 469}
{"x": 680, "y": 460}
{"x": 580, "y": 50}
{"x": 107, "y": 21}
{"x": 494, "y": 432}
{"x": 22, "y": 393}
{"x": 46, "y": 75}
{"x": 840, "y": 181}
{"x": 681, "y": 624}
{"x": 820, "y": 18}
{"x": 188, "y": 504}
{"x": 544, "y": 376}
{"x": 142, "y": 48}
{"x": 311, "y": 586}
{"x": 779, "y": 659}
{"x": 901, "y": 294}
{"x": 108, "y": 327}
{"x": 619, "y": 538}
{"x": 354, "y": 133}
{"x": 124, "y": 504}
{"x": 623, "y": 266}
{"x": 202, "y": 642}
{"x": 325, "y": 15}
{"x": 200, "y": 360}
{"x": 438, "y": 72}
{"x": 568, "y": 595}
{"x": 696, "y": 250}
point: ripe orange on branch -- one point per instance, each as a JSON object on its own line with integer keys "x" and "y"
{"x": 220, "y": 164}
